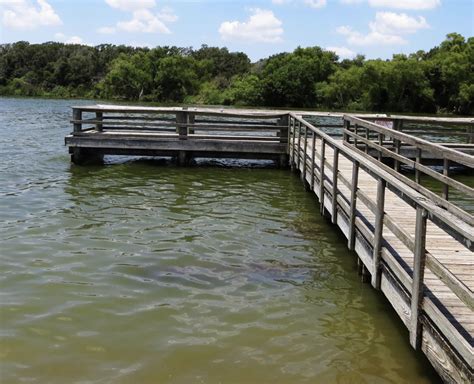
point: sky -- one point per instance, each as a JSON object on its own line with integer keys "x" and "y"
{"x": 260, "y": 28}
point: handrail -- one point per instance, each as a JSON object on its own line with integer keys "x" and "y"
{"x": 425, "y": 209}
{"x": 446, "y": 220}
{"x": 445, "y": 153}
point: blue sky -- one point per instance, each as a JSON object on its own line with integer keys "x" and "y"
{"x": 375, "y": 28}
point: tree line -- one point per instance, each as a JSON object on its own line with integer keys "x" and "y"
{"x": 440, "y": 80}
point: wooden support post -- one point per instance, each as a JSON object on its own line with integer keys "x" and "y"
{"x": 470, "y": 134}
{"x": 191, "y": 120}
{"x": 397, "y": 126}
{"x": 378, "y": 234}
{"x": 418, "y": 161}
{"x": 181, "y": 123}
{"x": 291, "y": 142}
{"x": 335, "y": 171}
{"x": 379, "y": 154}
{"x": 299, "y": 146}
{"x": 305, "y": 143}
{"x": 313, "y": 155}
{"x": 359, "y": 266}
{"x": 86, "y": 156}
{"x": 321, "y": 175}
{"x": 77, "y": 116}
{"x": 446, "y": 173}
{"x": 364, "y": 273}
{"x": 183, "y": 158}
{"x": 353, "y": 202}
{"x": 345, "y": 136}
{"x": 284, "y": 131}
{"x": 356, "y": 131}
{"x": 418, "y": 276}
{"x": 367, "y": 137}
{"x": 99, "y": 117}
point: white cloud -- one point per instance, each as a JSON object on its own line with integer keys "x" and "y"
{"x": 397, "y": 23}
{"x": 387, "y": 29}
{"x": 315, "y": 3}
{"x": 24, "y": 14}
{"x": 69, "y": 39}
{"x": 262, "y": 26}
{"x": 372, "y": 38}
{"x": 309, "y": 3}
{"x": 131, "y": 5}
{"x": 398, "y": 4}
{"x": 143, "y": 19}
{"x": 342, "y": 52}
{"x": 107, "y": 30}
{"x": 406, "y": 4}
{"x": 351, "y": 1}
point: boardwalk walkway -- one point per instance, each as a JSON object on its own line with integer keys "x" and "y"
{"x": 413, "y": 245}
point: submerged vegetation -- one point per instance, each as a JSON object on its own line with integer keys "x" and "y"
{"x": 440, "y": 80}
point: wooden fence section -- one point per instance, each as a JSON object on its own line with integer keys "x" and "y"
{"x": 179, "y": 132}
{"x": 416, "y": 252}
{"x": 387, "y": 143}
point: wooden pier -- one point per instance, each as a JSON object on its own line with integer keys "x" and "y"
{"x": 412, "y": 244}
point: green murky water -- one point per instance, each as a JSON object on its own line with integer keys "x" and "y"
{"x": 140, "y": 272}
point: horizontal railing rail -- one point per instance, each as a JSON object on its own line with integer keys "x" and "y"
{"x": 184, "y": 123}
{"x": 305, "y": 154}
{"x": 387, "y": 143}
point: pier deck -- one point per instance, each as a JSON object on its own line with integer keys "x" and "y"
{"x": 412, "y": 244}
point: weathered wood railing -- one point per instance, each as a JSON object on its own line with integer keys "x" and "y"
{"x": 309, "y": 147}
{"x": 386, "y": 142}
{"x": 202, "y": 132}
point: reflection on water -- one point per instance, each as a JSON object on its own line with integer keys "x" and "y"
{"x": 143, "y": 272}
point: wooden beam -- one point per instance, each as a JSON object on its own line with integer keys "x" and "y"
{"x": 417, "y": 290}
{"x": 353, "y": 202}
{"x": 378, "y": 234}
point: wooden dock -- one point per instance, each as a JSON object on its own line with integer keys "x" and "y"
{"x": 412, "y": 244}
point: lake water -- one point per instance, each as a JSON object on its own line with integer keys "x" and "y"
{"x": 141, "y": 272}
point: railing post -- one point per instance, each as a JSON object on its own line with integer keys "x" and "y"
{"x": 379, "y": 154}
{"x": 367, "y": 137}
{"x": 378, "y": 234}
{"x": 305, "y": 143}
{"x": 418, "y": 161}
{"x": 182, "y": 129}
{"x": 313, "y": 155}
{"x": 470, "y": 134}
{"x": 291, "y": 142}
{"x": 356, "y": 132}
{"x": 99, "y": 116}
{"x": 397, "y": 126}
{"x": 445, "y": 173}
{"x": 346, "y": 126}
{"x": 283, "y": 122}
{"x": 352, "y": 210}
{"x": 77, "y": 116}
{"x": 299, "y": 145}
{"x": 321, "y": 175}
{"x": 191, "y": 120}
{"x": 335, "y": 171}
{"x": 418, "y": 276}
{"x": 181, "y": 122}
